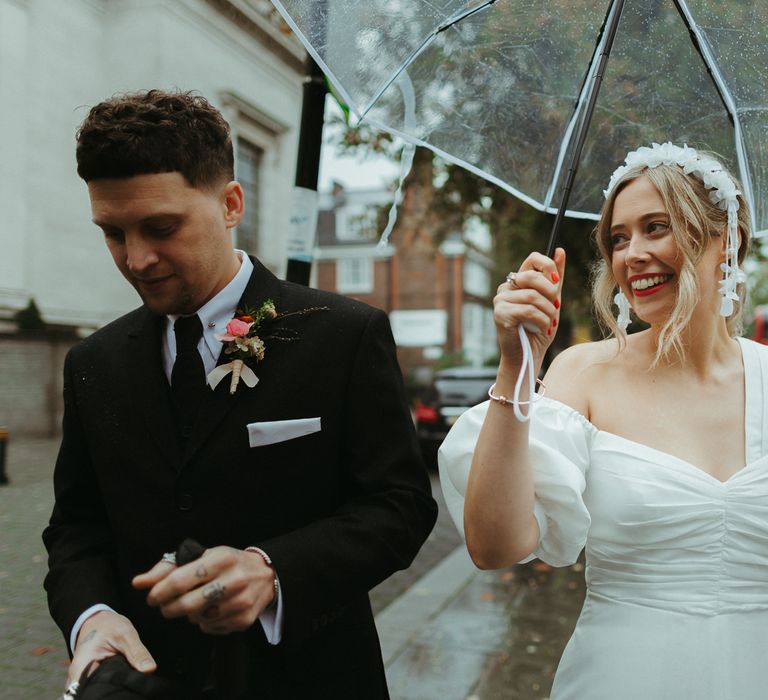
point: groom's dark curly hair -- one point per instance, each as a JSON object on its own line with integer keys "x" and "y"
{"x": 155, "y": 131}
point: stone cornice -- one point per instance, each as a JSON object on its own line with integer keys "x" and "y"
{"x": 249, "y": 20}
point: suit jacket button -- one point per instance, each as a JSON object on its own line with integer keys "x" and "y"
{"x": 184, "y": 501}
{"x": 186, "y": 432}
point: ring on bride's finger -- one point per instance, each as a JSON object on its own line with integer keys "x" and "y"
{"x": 511, "y": 280}
{"x": 170, "y": 557}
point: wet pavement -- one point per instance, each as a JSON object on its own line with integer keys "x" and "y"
{"x": 448, "y": 631}
{"x": 33, "y": 658}
{"x": 497, "y": 636}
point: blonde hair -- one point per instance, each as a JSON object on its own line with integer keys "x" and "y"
{"x": 694, "y": 220}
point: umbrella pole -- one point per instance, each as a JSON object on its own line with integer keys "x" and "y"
{"x": 613, "y": 23}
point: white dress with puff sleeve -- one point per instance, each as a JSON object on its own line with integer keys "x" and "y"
{"x": 677, "y": 561}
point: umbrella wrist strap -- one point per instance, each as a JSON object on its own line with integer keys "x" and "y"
{"x": 526, "y": 370}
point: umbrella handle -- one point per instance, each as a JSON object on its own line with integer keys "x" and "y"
{"x": 526, "y": 369}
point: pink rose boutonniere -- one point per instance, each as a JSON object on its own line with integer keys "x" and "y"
{"x": 244, "y": 341}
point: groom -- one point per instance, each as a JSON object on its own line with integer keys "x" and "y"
{"x": 306, "y": 489}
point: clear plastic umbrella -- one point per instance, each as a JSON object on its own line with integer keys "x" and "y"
{"x": 501, "y": 86}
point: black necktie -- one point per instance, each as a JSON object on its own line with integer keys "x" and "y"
{"x": 188, "y": 375}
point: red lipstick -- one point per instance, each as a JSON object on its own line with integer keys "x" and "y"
{"x": 649, "y": 290}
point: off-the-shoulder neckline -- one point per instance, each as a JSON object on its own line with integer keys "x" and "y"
{"x": 595, "y": 431}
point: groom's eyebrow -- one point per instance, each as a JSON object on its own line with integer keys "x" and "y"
{"x": 155, "y": 218}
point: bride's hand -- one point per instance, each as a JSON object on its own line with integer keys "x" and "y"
{"x": 530, "y": 298}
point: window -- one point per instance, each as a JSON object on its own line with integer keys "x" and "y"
{"x": 478, "y": 333}
{"x": 248, "y": 174}
{"x": 354, "y": 276}
{"x": 356, "y": 222}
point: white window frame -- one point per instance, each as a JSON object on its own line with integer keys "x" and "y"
{"x": 264, "y": 132}
{"x": 354, "y": 275}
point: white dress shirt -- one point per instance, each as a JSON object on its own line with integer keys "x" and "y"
{"x": 214, "y": 315}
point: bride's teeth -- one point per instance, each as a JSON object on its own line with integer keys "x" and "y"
{"x": 646, "y": 282}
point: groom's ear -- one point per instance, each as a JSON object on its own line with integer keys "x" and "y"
{"x": 233, "y": 203}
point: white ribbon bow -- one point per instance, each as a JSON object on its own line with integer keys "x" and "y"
{"x": 239, "y": 371}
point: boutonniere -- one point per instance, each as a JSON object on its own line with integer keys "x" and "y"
{"x": 244, "y": 340}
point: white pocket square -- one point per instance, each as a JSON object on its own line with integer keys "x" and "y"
{"x": 272, "y": 431}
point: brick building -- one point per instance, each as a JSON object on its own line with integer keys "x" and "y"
{"x": 437, "y": 294}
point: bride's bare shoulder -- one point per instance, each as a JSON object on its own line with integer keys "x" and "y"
{"x": 575, "y": 372}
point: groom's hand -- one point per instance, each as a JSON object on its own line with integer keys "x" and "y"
{"x": 104, "y": 634}
{"x": 223, "y": 591}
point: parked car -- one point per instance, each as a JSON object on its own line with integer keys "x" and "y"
{"x": 760, "y": 332}
{"x": 452, "y": 392}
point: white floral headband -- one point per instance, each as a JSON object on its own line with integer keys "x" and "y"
{"x": 723, "y": 193}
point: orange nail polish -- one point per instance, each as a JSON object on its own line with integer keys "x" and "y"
{"x": 555, "y": 277}
{"x": 556, "y": 302}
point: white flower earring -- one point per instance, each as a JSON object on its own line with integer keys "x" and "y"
{"x": 623, "y": 318}
{"x": 733, "y": 276}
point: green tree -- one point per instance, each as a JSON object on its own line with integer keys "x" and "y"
{"x": 29, "y": 318}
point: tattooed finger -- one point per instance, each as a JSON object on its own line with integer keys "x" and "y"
{"x": 214, "y": 591}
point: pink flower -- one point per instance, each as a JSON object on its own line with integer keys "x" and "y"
{"x": 237, "y": 328}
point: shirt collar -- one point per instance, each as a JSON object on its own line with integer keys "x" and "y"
{"x": 218, "y": 311}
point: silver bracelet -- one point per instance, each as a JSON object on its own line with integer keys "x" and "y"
{"x": 503, "y": 400}
{"x": 268, "y": 561}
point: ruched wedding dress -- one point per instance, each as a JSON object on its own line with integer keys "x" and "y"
{"x": 677, "y": 561}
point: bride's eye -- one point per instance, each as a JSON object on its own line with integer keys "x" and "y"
{"x": 617, "y": 239}
{"x": 658, "y": 227}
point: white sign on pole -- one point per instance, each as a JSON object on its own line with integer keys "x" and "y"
{"x": 419, "y": 327}
{"x": 303, "y": 224}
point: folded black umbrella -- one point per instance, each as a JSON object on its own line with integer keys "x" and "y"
{"x": 229, "y": 662}
{"x": 116, "y": 679}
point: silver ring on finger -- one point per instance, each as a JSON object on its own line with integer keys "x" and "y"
{"x": 511, "y": 280}
{"x": 170, "y": 557}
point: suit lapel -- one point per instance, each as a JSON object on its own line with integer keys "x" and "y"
{"x": 262, "y": 285}
{"x": 148, "y": 384}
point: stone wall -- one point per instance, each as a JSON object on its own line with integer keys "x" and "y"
{"x": 31, "y": 382}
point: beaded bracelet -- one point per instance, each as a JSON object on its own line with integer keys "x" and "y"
{"x": 503, "y": 400}
{"x": 268, "y": 561}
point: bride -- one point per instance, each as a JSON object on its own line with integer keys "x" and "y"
{"x": 649, "y": 450}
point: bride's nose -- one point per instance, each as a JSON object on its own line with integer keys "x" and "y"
{"x": 637, "y": 251}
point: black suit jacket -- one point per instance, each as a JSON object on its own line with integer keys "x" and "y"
{"x": 338, "y": 510}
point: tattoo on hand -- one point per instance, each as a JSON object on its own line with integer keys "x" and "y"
{"x": 88, "y": 637}
{"x": 214, "y": 591}
{"x": 201, "y": 571}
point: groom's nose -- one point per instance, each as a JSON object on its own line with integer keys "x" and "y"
{"x": 140, "y": 253}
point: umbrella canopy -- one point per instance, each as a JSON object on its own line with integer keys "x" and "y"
{"x": 500, "y": 86}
